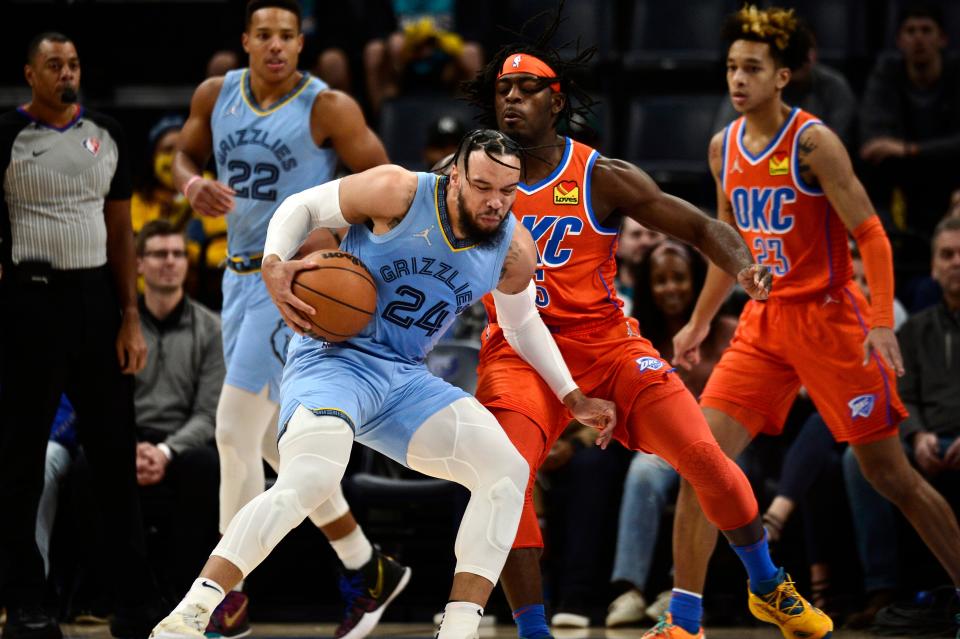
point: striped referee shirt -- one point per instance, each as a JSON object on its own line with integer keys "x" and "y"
{"x": 54, "y": 184}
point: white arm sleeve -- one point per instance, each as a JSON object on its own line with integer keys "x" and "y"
{"x": 528, "y": 335}
{"x": 317, "y": 207}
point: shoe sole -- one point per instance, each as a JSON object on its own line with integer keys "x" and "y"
{"x": 370, "y": 620}
{"x": 569, "y": 620}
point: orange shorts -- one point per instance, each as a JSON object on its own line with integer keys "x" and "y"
{"x": 780, "y": 346}
{"x": 609, "y": 361}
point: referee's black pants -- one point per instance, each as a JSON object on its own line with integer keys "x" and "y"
{"x": 58, "y": 335}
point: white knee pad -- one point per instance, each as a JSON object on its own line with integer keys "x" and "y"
{"x": 313, "y": 456}
{"x": 506, "y": 502}
{"x": 244, "y": 420}
{"x": 464, "y": 443}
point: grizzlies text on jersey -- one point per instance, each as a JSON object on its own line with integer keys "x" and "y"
{"x": 265, "y": 155}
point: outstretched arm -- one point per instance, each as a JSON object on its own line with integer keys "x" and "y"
{"x": 621, "y": 188}
{"x": 525, "y": 331}
{"x": 822, "y": 154}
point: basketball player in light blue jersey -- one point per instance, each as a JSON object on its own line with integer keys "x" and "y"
{"x": 273, "y": 131}
{"x": 433, "y": 245}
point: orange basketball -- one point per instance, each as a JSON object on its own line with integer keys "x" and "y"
{"x": 341, "y": 290}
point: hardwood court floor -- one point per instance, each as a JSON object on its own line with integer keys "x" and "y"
{"x": 426, "y": 631}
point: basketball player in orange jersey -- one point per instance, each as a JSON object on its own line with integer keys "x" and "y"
{"x": 785, "y": 182}
{"x": 572, "y": 200}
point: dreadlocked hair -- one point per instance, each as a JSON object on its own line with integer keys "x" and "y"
{"x": 481, "y": 90}
{"x": 491, "y": 142}
{"x": 789, "y": 42}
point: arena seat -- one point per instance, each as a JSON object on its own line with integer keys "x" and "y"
{"x": 838, "y": 26}
{"x": 667, "y": 136}
{"x": 404, "y": 122}
{"x": 668, "y": 35}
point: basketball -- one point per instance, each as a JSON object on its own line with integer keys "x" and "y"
{"x": 341, "y": 290}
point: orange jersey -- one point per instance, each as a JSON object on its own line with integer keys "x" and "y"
{"x": 789, "y": 225}
{"x": 575, "y": 252}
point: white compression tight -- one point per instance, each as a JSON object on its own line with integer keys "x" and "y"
{"x": 464, "y": 443}
{"x": 246, "y": 433}
{"x": 461, "y": 443}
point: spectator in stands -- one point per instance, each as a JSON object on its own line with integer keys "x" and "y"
{"x": 156, "y": 197}
{"x": 71, "y": 324}
{"x": 910, "y": 123}
{"x": 175, "y": 399}
{"x": 815, "y": 88}
{"x": 633, "y": 244}
{"x": 667, "y": 280}
{"x": 930, "y": 343}
{"x": 431, "y": 44}
{"x": 221, "y": 62}
{"x": 331, "y": 36}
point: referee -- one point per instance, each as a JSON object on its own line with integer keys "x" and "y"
{"x": 69, "y": 323}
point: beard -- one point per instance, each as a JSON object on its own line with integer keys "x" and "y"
{"x": 69, "y": 95}
{"x": 483, "y": 238}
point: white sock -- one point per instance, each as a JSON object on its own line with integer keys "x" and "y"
{"x": 461, "y": 620}
{"x": 353, "y": 549}
{"x": 201, "y": 600}
{"x": 239, "y": 586}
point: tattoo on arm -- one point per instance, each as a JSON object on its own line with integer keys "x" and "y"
{"x": 513, "y": 255}
{"x": 806, "y": 147}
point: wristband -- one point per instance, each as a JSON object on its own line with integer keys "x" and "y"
{"x": 186, "y": 187}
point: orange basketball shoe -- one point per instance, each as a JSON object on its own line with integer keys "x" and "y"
{"x": 665, "y": 629}
{"x": 794, "y": 615}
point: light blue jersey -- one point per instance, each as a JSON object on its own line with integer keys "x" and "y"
{"x": 264, "y": 155}
{"x": 425, "y": 277}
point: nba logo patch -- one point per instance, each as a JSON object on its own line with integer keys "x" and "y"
{"x": 92, "y": 145}
{"x": 779, "y": 164}
{"x": 649, "y": 364}
{"x": 861, "y": 406}
{"x": 516, "y": 61}
{"x": 566, "y": 192}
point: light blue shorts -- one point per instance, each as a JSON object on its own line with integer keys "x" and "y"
{"x": 255, "y": 337}
{"x": 384, "y": 401}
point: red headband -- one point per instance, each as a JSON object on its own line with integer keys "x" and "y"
{"x": 526, "y": 63}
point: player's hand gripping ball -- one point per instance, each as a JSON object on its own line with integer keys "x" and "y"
{"x": 341, "y": 290}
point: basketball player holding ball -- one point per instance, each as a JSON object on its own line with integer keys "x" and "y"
{"x": 273, "y": 131}
{"x": 342, "y": 292}
{"x": 435, "y": 245}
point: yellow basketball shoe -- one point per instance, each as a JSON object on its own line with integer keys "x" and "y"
{"x": 666, "y": 629}
{"x": 794, "y": 615}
